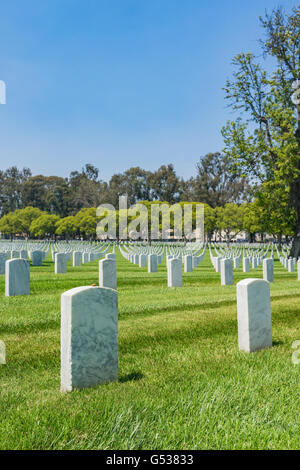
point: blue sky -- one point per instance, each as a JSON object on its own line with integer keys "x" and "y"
{"x": 119, "y": 83}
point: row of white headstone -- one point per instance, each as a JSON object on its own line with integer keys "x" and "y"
{"x": 17, "y": 273}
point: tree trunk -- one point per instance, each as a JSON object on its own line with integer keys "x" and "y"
{"x": 279, "y": 241}
{"x": 295, "y": 200}
{"x": 295, "y": 250}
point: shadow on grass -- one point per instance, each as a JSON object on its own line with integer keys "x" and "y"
{"x": 277, "y": 342}
{"x": 154, "y": 310}
{"x": 32, "y": 327}
{"x": 132, "y": 377}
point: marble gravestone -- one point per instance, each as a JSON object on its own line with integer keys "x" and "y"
{"x": 77, "y": 258}
{"x": 268, "y": 269}
{"x": 60, "y": 266}
{"x": 17, "y": 277}
{"x": 174, "y": 273}
{"x": 37, "y": 258}
{"x": 218, "y": 264}
{"x": 298, "y": 269}
{"x": 246, "y": 265}
{"x": 89, "y": 337}
{"x": 254, "y": 315}
{"x": 188, "y": 263}
{"x": 108, "y": 273}
{"x": 3, "y": 258}
{"x": 152, "y": 263}
{"x": 290, "y": 265}
{"x": 85, "y": 257}
{"x": 143, "y": 261}
{"x": 226, "y": 272}
{"x": 111, "y": 256}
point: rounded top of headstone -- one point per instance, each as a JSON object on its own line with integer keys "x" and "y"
{"x": 82, "y": 289}
{"x": 250, "y": 281}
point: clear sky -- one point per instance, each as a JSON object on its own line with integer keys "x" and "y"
{"x": 119, "y": 83}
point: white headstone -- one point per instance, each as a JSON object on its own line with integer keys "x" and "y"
{"x": 218, "y": 264}
{"x": 143, "y": 261}
{"x": 246, "y": 265}
{"x": 60, "y": 266}
{"x": 226, "y": 272}
{"x": 3, "y": 258}
{"x": 108, "y": 273}
{"x": 85, "y": 257}
{"x": 17, "y": 277}
{"x": 37, "y": 258}
{"x": 291, "y": 265}
{"x": 174, "y": 273}
{"x": 268, "y": 269}
{"x": 254, "y": 315}
{"x": 188, "y": 263}
{"x": 77, "y": 258}
{"x": 89, "y": 337}
{"x": 152, "y": 263}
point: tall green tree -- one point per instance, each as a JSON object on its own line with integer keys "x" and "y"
{"x": 45, "y": 225}
{"x": 11, "y": 181}
{"x": 264, "y": 141}
{"x": 229, "y": 220}
{"x": 24, "y": 218}
{"x": 215, "y": 183}
{"x": 85, "y": 188}
{"x": 165, "y": 185}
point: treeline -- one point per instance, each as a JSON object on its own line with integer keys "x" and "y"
{"x": 220, "y": 223}
{"x": 214, "y": 183}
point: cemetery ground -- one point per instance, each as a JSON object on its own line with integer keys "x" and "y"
{"x": 183, "y": 383}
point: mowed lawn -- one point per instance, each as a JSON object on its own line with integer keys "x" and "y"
{"x": 183, "y": 384}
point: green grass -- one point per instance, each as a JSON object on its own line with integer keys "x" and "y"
{"x": 183, "y": 384}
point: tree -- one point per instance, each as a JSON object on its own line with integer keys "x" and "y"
{"x": 215, "y": 183}
{"x": 210, "y": 221}
{"x": 229, "y": 219}
{"x": 86, "y": 222}
{"x": 44, "y": 225}
{"x": 264, "y": 141}
{"x": 8, "y": 224}
{"x": 48, "y": 193}
{"x": 133, "y": 182}
{"x": 85, "y": 188}
{"x": 11, "y": 182}
{"x": 24, "y": 218}
{"x": 66, "y": 227}
{"x": 165, "y": 185}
